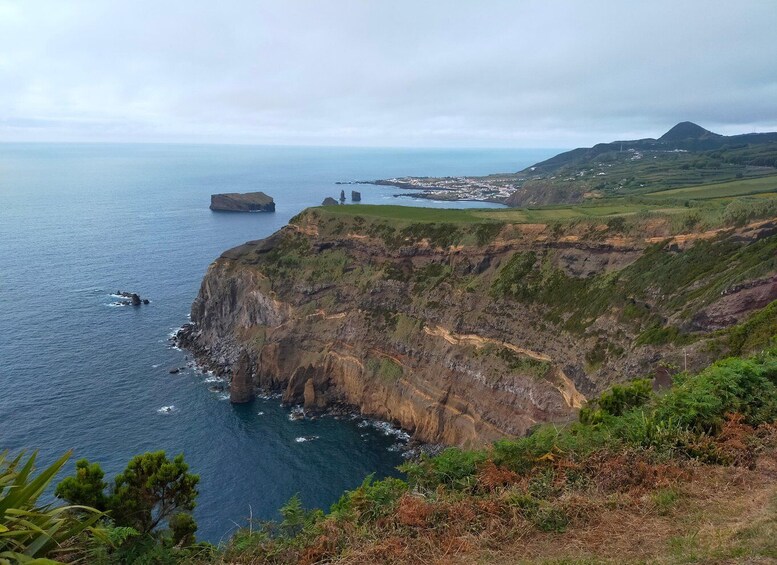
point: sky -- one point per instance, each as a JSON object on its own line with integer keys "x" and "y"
{"x": 429, "y": 73}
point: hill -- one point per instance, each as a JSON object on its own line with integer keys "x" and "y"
{"x": 686, "y": 155}
{"x": 687, "y": 130}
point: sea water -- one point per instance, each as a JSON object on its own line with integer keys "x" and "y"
{"x": 79, "y": 222}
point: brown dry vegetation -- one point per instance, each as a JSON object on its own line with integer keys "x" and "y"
{"x": 700, "y": 514}
{"x": 610, "y": 507}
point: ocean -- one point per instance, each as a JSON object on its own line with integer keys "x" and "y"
{"x": 80, "y": 221}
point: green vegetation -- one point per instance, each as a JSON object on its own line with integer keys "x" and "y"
{"x": 687, "y": 281}
{"x": 31, "y": 531}
{"x": 730, "y": 189}
{"x": 152, "y": 492}
{"x": 758, "y": 332}
{"x": 385, "y": 368}
{"x": 628, "y": 440}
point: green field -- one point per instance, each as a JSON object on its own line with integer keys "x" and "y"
{"x": 409, "y": 215}
{"x": 706, "y": 202}
{"x": 743, "y": 187}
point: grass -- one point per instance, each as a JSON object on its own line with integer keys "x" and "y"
{"x": 405, "y": 215}
{"x": 743, "y": 187}
{"x": 676, "y": 202}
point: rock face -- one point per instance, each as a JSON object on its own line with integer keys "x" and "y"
{"x": 460, "y": 343}
{"x": 245, "y": 202}
{"x": 241, "y": 388}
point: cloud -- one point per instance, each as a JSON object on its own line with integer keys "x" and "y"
{"x": 349, "y": 72}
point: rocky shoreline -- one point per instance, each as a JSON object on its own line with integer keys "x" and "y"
{"x": 218, "y": 362}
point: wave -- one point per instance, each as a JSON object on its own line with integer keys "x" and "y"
{"x": 167, "y": 409}
{"x": 386, "y": 428}
{"x": 305, "y": 438}
{"x": 211, "y": 378}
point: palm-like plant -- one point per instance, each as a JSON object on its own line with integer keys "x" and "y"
{"x": 33, "y": 533}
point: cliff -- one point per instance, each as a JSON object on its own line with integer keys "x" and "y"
{"x": 467, "y": 331}
{"x": 246, "y": 202}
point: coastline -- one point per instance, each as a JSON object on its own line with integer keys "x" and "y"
{"x": 410, "y": 447}
{"x": 436, "y": 192}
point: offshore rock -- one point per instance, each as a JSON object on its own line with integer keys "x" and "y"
{"x": 242, "y": 202}
{"x": 241, "y": 387}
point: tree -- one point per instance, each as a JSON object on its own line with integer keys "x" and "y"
{"x": 86, "y": 487}
{"x": 183, "y": 527}
{"x": 151, "y": 490}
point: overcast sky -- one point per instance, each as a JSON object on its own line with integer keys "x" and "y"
{"x": 394, "y": 72}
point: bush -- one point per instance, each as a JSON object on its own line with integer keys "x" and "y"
{"x": 454, "y": 467}
{"x": 743, "y": 386}
{"x": 371, "y": 500}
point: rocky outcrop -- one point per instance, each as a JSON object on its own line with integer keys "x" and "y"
{"x": 242, "y": 202}
{"x": 329, "y": 201}
{"x": 241, "y": 387}
{"x": 134, "y": 298}
{"x": 356, "y": 196}
{"x": 460, "y": 343}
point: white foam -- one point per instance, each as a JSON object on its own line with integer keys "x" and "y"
{"x": 167, "y": 409}
{"x": 386, "y": 428}
{"x": 260, "y": 413}
{"x": 213, "y": 379}
{"x": 223, "y": 396}
{"x": 155, "y": 366}
{"x": 297, "y": 413}
{"x": 305, "y": 438}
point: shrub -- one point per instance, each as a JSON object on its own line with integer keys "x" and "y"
{"x": 744, "y": 386}
{"x": 371, "y": 500}
{"x": 454, "y": 467}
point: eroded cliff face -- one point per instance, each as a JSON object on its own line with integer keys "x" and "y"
{"x": 463, "y": 335}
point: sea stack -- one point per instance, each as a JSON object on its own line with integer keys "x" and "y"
{"x": 241, "y": 388}
{"x": 356, "y": 196}
{"x": 342, "y": 196}
{"x": 245, "y": 202}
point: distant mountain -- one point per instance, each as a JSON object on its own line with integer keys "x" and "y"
{"x": 685, "y": 136}
{"x": 687, "y": 130}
